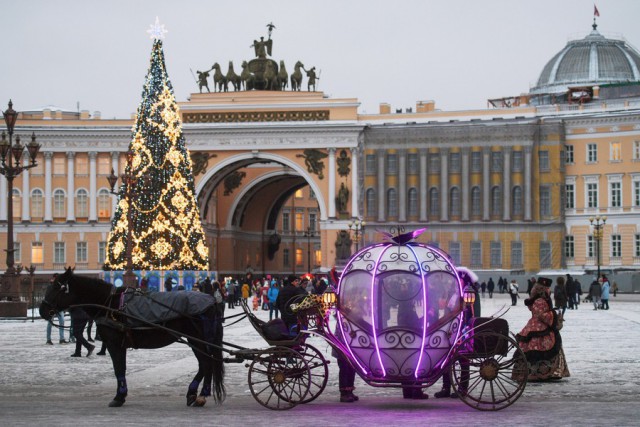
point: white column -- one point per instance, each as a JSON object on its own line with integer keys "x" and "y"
{"x": 466, "y": 201}
{"x": 93, "y": 209}
{"x": 424, "y": 190}
{"x": 486, "y": 183}
{"x": 26, "y": 196}
{"x": 506, "y": 187}
{"x": 527, "y": 183}
{"x": 355, "y": 196}
{"x": 332, "y": 183}
{"x": 71, "y": 216}
{"x": 444, "y": 184}
{"x": 48, "y": 179}
{"x": 402, "y": 185}
{"x": 115, "y": 157}
{"x": 3, "y": 198}
{"x": 380, "y": 154}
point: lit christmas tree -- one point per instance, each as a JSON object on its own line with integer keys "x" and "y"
{"x": 157, "y": 194}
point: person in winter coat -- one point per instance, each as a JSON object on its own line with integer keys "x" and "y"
{"x": 490, "y": 286}
{"x": 246, "y": 290}
{"x": 272, "y": 294}
{"x": 80, "y": 318}
{"x": 595, "y": 292}
{"x": 560, "y": 294}
{"x": 513, "y": 291}
{"x": 571, "y": 292}
{"x": 289, "y": 294}
{"x": 605, "y": 293}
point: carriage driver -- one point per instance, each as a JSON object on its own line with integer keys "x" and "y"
{"x": 287, "y": 296}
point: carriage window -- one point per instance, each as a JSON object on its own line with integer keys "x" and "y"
{"x": 399, "y": 301}
{"x": 443, "y": 296}
{"x": 355, "y": 299}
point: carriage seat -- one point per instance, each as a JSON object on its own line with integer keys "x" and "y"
{"x": 275, "y": 330}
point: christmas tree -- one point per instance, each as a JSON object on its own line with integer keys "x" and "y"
{"x": 157, "y": 207}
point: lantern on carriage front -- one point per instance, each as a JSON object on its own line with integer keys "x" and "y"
{"x": 399, "y": 310}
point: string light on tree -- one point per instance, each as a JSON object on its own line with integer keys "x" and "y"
{"x": 157, "y": 200}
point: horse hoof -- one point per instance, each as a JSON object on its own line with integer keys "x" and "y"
{"x": 191, "y": 399}
{"x": 116, "y": 403}
{"x": 200, "y": 401}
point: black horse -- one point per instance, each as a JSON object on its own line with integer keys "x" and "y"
{"x": 118, "y": 331}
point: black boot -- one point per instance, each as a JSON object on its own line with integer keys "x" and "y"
{"x": 445, "y": 392}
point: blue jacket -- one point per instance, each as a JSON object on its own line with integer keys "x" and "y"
{"x": 273, "y": 294}
{"x": 605, "y": 290}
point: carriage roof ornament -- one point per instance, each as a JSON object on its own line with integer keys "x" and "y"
{"x": 398, "y": 236}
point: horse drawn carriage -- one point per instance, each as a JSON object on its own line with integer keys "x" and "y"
{"x": 401, "y": 315}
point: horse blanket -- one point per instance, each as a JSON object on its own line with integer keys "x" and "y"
{"x": 158, "y": 307}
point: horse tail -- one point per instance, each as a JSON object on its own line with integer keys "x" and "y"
{"x": 218, "y": 390}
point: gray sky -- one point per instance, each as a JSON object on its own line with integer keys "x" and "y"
{"x": 458, "y": 53}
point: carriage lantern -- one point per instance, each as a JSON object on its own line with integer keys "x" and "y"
{"x": 469, "y": 295}
{"x": 329, "y": 297}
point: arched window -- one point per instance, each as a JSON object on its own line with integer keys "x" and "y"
{"x": 412, "y": 199}
{"x": 434, "y": 203}
{"x": 371, "y": 203}
{"x": 82, "y": 203}
{"x": 496, "y": 201}
{"x": 392, "y": 203}
{"x": 104, "y": 203}
{"x": 59, "y": 203}
{"x": 17, "y": 204}
{"x": 454, "y": 201}
{"x": 516, "y": 201}
{"x": 36, "y": 203}
{"x": 476, "y": 202}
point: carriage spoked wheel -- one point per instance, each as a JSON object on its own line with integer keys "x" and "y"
{"x": 318, "y": 369}
{"x": 490, "y": 371}
{"x": 279, "y": 378}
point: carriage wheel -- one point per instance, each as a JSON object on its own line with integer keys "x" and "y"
{"x": 279, "y": 378}
{"x": 491, "y": 371}
{"x": 318, "y": 369}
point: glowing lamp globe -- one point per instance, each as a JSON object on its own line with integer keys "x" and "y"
{"x": 399, "y": 311}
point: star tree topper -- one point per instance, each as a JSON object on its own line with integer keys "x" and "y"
{"x": 156, "y": 30}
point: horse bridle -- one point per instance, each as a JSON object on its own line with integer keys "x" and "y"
{"x": 64, "y": 288}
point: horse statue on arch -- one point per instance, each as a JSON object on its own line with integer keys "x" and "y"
{"x": 283, "y": 77}
{"x": 219, "y": 80}
{"x": 247, "y": 77}
{"x": 296, "y": 77}
{"x": 232, "y": 78}
{"x": 271, "y": 78}
{"x": 120, "y": 328}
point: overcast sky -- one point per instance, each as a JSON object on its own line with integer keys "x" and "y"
{"x": 458, "y": 53}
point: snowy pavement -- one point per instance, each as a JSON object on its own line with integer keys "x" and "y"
{"x": 42, "y": 385}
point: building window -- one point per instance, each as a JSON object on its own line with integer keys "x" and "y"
{"x": 616, "y": 246}
{"x": 434, "y": 203}
{"x": 496, "y": 201}
{"x": 82, "y": 165}
{"x": 81, "y": 252}
{"x": 636, "y": 192}
{"x": 17, "y": 252}
{"x": 286, "y": 221}
{"x": 516, "y": 255}
{"x": 104, "y": 203}
{"x": 299, "y": 257}
{"x": 516, "y": 201}
{"x": 313, "y": 221}
{"x": 592, "y": 153}
{"x": 318, "y": 256}
{"x": 299, "y": 225}
{"x": 434, "y": 163}
{"x": 58, "y": 253}
{"x": 568, "y": 154}
{"x": 637, "y": 246}
{"x": 58, "y": 165}
{"x": 102, "y": 252}
{"x": 454, "y": 201}
{"x": 591, "y": 247}
{"x": 59, "y": 203}
{"x": 476, "y": 202}
{"x": 370, "y": 164}
{"x": 569, "y": 247}
{"x": 413, "y": 202}
{"x": 636, "y": 150}
{"x": 454, "y": 162}
{"x": 412, "y": 163}
{"x": 104, "y": 165}
{"x": 37, "y": 255}
{"x": 592, "y": 195}
{"x": 570, "y": 194}
{"x": 36, "y": 203}
{"x": 496, "y": 254}
{"x": 543, "y": 157}
{"x": 392, "y": 164}
{"x": 286, "y": 259}
{"x": 516, "y": 166}
{"x": 392, "y": 202}
{"x": 476, "y": 161}
{"x": 545, "y": 254}
{"x": 371, "y": 202}
{"x": 496, "y": 161}
{"x": 454, "y": 252}
{"x": 299, "y": 194}
{"x": 615, "y": 152}
{"x": 476, "y": 254}
{"x": 615, "y": 192}
{"x": 312, "y": 194}
{"x": 17, "y": 204}
{"x": 545, "y": 201}
{"x": 82, "y": 203}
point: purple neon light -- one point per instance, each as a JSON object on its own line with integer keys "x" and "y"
{"x": 373, "y": 315}
{"x": 424, "y": 313}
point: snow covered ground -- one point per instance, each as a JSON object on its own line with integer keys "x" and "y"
{"x": 42, "y": 385}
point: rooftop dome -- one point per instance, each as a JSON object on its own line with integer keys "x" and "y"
{"x": 594, "y": 60}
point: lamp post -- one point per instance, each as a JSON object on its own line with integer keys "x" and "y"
{"x": 11, "y": 166}
{"x": 309, "y": 233}
{"x": 357, "y": 226}
{"x": 598, "y": 230}
{"x": 128, "y": 179}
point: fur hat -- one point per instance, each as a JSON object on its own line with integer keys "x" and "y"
{"x": 544, "y": 281}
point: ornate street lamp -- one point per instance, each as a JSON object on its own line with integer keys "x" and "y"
{"x": 309, "y": 233}
{"x": 357, "y": 226}
{"x": 598, "y": 231}
{"x": 11, "y": 166}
